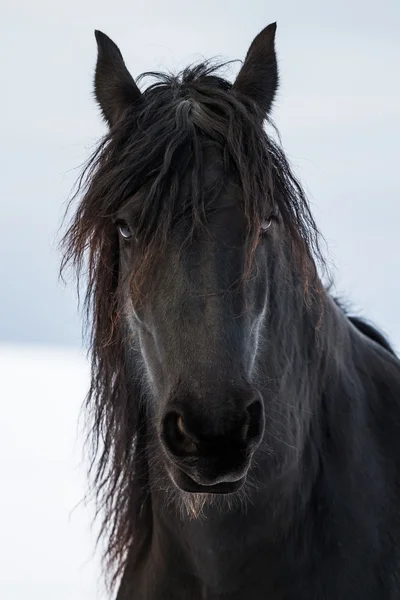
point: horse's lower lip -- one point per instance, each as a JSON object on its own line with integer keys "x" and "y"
{"x": 187, "y": 484}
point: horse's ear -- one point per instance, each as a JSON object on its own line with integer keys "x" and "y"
{"x": 114, "y": 87}
{"x": 258, "y": 78}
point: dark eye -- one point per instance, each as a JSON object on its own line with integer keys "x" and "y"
{"x": 265, "y": 225}
{"x": 124, "y": 230}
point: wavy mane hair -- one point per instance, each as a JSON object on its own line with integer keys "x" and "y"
{"x": 151, "y": 151}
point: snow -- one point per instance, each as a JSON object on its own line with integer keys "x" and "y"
{"x": 47, "y": 548}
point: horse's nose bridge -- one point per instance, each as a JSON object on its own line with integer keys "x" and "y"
{"x": 206, "y": 292}
{"x": 198, "y": 309}
{"x": 204, "y": 335}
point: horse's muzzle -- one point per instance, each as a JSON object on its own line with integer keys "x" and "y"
{"x": 210, "y": 451}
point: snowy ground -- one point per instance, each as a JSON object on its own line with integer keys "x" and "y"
{"x": 47, "y": 546}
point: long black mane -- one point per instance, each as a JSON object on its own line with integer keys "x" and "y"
{"x": 147, "y": 155}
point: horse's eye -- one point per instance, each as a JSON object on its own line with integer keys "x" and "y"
{"x": 265, "y": 225}
{"x": 124, "y": 230}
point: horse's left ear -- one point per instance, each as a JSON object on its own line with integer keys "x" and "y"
{"x": 258, "y": 78}
{"x": 114, "y": 87}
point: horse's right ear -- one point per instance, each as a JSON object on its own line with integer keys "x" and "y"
{"x": 115, "y": 88}
{"x": 258, "y": 78}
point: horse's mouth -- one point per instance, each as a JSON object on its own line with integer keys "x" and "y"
{"x": 187, "y": 484}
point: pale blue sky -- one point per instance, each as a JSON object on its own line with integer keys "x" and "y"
{"x": 338, "y": 112}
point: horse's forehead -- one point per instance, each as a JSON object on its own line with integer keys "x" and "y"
{"x": 214, "y": 169}
{"x": 223, "y": 207}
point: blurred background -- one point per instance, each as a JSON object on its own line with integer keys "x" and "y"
{"x": 338, "y": 113}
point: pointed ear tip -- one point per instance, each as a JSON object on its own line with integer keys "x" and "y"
{"x": 101, "y": 37}
{"x": 98, "y": 35}
{"x": 267, "y": 35}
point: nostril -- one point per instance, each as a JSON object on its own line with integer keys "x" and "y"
{"x": 255, "y": 423}
{"x": 175, "y": 437}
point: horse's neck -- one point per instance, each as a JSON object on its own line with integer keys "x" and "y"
{"x": 215, "y": 546}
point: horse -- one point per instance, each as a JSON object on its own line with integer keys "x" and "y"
{"x": 244, "y": 427}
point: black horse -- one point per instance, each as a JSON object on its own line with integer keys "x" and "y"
{"x": 246, "y": 431}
